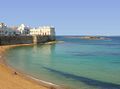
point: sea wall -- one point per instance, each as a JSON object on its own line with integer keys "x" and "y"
{"x": 42, "y": 39}
{"x": 11, "y": 40}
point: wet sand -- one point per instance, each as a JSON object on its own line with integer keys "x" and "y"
{"x": 10, "y": 79}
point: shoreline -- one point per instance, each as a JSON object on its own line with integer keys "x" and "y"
{"x": 8, "y": 70}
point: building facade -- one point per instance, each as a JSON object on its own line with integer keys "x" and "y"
{"x": 25, "y": 30}
{"x": 43, "y": 31}
{"x": 5, "y": 31}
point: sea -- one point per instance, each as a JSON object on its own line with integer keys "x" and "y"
{"x": 72, "y": 62}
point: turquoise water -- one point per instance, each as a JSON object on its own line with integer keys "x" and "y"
{"x": 76, "y": 63}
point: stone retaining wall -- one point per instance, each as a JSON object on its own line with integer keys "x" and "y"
{"x": 10, "y": 40}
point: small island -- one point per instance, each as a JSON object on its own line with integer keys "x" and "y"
{"x": 93, "y": 38}
{"x": 88, "y": 37}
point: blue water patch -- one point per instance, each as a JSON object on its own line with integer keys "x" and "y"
{"x": 116, "y": 62}
{"x": 82, "y": 54}
{"x": 95, "y": 53}
{"x": 88, "y": 81}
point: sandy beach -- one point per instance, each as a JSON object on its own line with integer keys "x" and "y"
{"x": 10, "y": 79}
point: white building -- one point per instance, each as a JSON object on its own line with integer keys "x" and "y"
{"x": 43, "y": 31}
{"x": 5, "y": 31}
{"x": 2, "y": 25}
{"x": 23, "y": 29}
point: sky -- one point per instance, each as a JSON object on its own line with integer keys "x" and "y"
{"x": 69, "y": 17}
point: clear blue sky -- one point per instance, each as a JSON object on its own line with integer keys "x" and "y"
{"x": 70, "y": 17}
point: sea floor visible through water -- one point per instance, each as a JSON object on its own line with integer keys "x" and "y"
{"x": 75, "y": 63}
